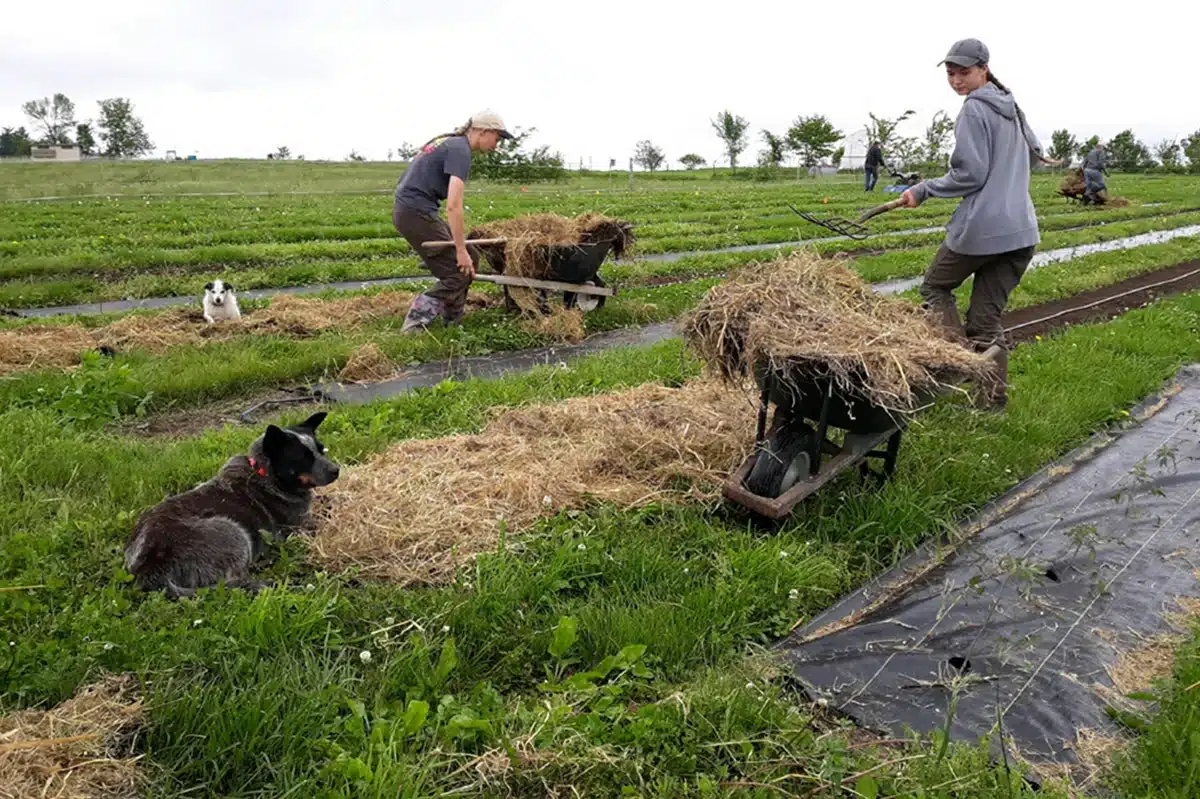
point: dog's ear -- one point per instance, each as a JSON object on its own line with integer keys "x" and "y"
{"x": 208, "y": 286}
{"x": 229, "y": 287}
{"x": 274, "y": 440}
{"x": 314, "y": 421}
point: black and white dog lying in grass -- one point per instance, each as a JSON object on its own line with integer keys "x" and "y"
{"x": 212, "y": 533}
{"x": 220, "y": 302}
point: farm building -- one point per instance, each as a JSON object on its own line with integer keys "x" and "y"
{"x": 56, "y": 153}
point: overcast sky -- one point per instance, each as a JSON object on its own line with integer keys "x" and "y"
{"x": 223, "y": 78}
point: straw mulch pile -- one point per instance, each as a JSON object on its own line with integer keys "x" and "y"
{"x": 808, "y": 316}
{"x": 76, "y": 750}
{"x": 416, "y": 511}
{"x": 521, "y": 255}
{"x": 561, "y": 324}
{"x": 60, "y": 346}
{"x": 367, "y": 364}
{"x": 525, "y": 234}
{"x": 1073, "y": 185}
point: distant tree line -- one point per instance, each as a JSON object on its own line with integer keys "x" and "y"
{"x": 814, "y": 140}
{"x": 116, "y": 132}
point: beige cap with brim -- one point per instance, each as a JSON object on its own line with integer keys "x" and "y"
{"x": 488, "y": 119}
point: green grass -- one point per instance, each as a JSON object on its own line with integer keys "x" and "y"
{"x": 188, "y": 269}
{"x": 192, "y": 375}
{"x": 1164, "y": 762}
{"x": 284, "y": 702}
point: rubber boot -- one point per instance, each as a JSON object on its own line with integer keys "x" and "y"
{"x": 993, "y": 393}
{"x": 951, "y": 324}
{"x": 421, "y": 313}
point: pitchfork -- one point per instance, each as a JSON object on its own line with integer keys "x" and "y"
{"x": 844, "y": 227}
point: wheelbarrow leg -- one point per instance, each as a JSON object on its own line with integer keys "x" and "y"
{"x": 818, "y": 441}
{"x": 764, "y": 403}
{"x": 893, "y": 450}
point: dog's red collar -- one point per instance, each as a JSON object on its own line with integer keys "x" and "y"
{"x": 261, "y": 471}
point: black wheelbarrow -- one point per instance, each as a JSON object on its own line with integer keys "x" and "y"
{"x": 572, "y": 269}
{"x": 795, "y": 455}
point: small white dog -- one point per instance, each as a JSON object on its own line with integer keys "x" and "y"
{"x": 220, "y": 302}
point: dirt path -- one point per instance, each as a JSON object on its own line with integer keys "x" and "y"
{"x": 1103, "y": 303}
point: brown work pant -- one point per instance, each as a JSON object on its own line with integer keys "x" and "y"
{"x": 995, "y": 278}
{"x": 451, "y": 288}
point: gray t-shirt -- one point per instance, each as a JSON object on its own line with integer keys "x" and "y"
{"x": 426, "y": 182}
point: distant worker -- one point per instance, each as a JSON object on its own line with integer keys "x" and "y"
{"x": 993, "y": 231}
{"x": 874, "y": 161}
{"x": 1095, "y": 167}
{"x": 439, "y": 172}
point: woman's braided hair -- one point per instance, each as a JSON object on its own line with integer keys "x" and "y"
{"x": 1020, "y": 114}
{"x": 461, "y": 130}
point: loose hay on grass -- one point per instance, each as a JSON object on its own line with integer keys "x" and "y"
{"x": 809, "y": 316}
{"x": 60, "y": 346}
{"x": 561, "y": 324}
{"x": 76, "y": 750}
{"x": 417, "y": 510}
{"x": 367, "y": 363}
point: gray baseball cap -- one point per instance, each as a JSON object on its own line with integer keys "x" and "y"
{"x": 966, "y": 53}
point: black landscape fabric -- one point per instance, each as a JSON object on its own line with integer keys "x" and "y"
{"x": 1028, "y": 614}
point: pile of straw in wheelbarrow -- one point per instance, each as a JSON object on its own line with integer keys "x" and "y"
{"x": 527, "y": 236}
{"x": 527, "y": 239}
{"x": 1074, "y": 186}
{"x": 808, "y": 316}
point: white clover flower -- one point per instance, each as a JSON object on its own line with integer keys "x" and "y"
{"x": 365, "y": 656}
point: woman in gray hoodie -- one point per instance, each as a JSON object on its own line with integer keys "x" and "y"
{"x": 993, "y": 232}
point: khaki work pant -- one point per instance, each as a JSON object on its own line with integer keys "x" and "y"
{"x": 995, "y": 278}
{"x": 450, "y": 292}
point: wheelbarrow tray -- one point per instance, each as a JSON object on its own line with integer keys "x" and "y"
{"x": 566, "y": 263}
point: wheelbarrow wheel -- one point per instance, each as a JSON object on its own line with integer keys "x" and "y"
{"x": 585, "y": 302}
{"x": 782, "y": 462}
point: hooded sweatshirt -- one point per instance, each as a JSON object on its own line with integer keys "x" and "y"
{"x": 989, "y": 170}
{"x": 1095, "y": 160}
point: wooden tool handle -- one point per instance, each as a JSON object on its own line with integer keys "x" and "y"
{"x": 441, "y": 245}
{"x": 881, "y": 209}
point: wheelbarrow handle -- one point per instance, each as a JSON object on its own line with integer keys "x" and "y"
{"x": 441, "y": 245}
{"x": 881, "y": 209}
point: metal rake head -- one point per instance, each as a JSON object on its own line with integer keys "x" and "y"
{"x": 839, "y": 225}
